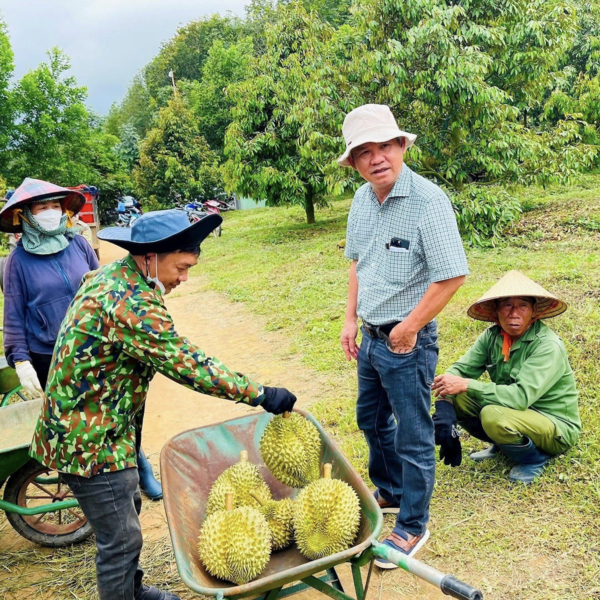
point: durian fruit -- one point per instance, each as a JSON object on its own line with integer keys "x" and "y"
{"x": 235, "y": 544}
{"x": 240, "y": 479}
{"x": 279, "y": 515}
{"x": 291, "y": 449}
{"x": 326, "y": 517}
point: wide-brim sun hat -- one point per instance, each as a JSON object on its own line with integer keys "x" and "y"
{"x": 370, "y": 123}
{"x": 161, "y": 231}
{"x": 515, "y": 284}
{"x": 36, "y": 190}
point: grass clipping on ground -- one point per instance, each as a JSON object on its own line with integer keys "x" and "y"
{"x": 515, "y": 543}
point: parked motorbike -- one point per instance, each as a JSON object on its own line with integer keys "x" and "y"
{"x": 213, "y": 207}
{"x": 129, "y": 217}
{"x": 195, "y": 211}
{"x": 225, "y": 202}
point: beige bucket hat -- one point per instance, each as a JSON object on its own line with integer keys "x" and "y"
{"x": 370, "y": 123}
{"x": 515, "y": 283}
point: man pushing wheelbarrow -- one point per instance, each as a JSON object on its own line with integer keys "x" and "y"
{"x": 117, "y": 334}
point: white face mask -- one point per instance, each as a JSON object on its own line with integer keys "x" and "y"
{"x": 49, "y": 219}
{"x": 157, "y": 283}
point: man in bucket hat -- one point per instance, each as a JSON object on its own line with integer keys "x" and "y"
{"x": 117, "y": 334}
{"x": 529, "y": 409}
{"x": 407, "y": 262}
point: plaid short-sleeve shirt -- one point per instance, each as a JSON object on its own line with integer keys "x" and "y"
{"x": 393, "y": 277}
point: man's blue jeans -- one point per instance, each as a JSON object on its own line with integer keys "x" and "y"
{"x": 394, "y": 400}
{"x": 112, "y": 502}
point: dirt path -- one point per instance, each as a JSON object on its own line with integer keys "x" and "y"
{"x": 239, "y": 338}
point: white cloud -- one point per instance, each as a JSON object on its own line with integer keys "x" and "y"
{"x": 108, "y": 41}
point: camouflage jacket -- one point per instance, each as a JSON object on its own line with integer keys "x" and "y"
{"x": 117, "y": 334}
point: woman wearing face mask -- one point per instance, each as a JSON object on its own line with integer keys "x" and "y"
{"x": 41, "y": 278}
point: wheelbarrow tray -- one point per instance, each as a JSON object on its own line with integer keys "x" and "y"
{"x": 192, "y": 461}
{"x": 17, "y": 424}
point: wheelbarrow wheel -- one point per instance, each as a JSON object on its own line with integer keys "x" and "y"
{"x": 33, "y": 484}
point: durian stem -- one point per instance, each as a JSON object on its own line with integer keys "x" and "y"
{"x": 258, "y": 498}
{"x": 327, "y": 471}
{"x": 287, "y": 414}
{"x": 229, "y": 501}
{"x": 244, "y": 456}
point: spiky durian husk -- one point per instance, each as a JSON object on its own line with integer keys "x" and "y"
{"x": 326, "y": 518}
{"x": 235, "y": 545}
{"x": 241, "y": 479}
{"x": 279, "y": 515}
{"x": 291, "y": 449}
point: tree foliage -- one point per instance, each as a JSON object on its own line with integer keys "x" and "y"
{"x": 224, "y": 66}
{"x": 186, "y": 52}
{"x": 288, "y": 113}
{"x": 497, "y": 92}
{"x": 175, "y": 160}
{"x": 6, "y": 70}
{"x": 463, "y": 77}
{"x": 136, "y": 109}
{"x": 54, "y": 137}
{"x": 52, "y": 127}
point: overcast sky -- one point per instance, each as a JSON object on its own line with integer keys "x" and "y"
{"x": 108, "y": 41}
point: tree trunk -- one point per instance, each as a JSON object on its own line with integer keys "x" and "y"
{"x": 309, "y": 207}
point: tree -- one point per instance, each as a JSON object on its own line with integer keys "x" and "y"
{"x": 175, "y": 160}
{"x": 6, "y": 109}
{"x": 224, "y": 66}
{"x": 186, "y": 52}
{"x": 286, "y": 128}
{"x": 51, "y": 135}
{"x": 127, "y": 146}
{"x": 136, "y": 109}
{"x": 463, "y": 76}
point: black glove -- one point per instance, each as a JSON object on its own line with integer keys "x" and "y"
{"x": 278, "y": 400}
{"x": 446, "y": 433}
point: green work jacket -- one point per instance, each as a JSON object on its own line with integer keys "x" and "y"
{"x": 537, "y": 376}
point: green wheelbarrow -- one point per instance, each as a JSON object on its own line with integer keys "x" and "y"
{"x": 190, "y": 463}
{"x": 37, "y": 502}
{"x": 9, "y": 383}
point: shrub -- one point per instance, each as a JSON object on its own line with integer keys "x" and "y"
{"x": 483, "y": 213}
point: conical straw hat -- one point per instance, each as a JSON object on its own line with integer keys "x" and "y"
{"x": 515, "y": 283}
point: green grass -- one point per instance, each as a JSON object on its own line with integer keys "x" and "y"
{"x": 535, "y": 543}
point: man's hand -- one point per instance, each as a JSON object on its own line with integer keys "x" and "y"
{"x": 278, "y": 400}
{"x": 449, "y": 385}
{"x": 446, "y": 433}
{"x": 29, "y": 379}
{"x": 348, "y": 340}
{"x": 402, "y": 339}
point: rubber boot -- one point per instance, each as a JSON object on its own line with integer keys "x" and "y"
{"x": 148, "y": 483}
{"x": 491, "y": 452}
{"x": 530, "y": 461}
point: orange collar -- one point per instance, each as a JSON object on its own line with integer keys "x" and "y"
{"x": 506, "y": 344}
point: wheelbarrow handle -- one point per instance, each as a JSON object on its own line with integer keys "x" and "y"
{"x": 459, "y": 589}
{"x": 447, "y": 583}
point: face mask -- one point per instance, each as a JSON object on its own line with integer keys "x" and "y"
{"x": 49, "y": 219}
{"x": 155, "y": 280}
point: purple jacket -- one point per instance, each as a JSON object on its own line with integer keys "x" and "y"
{"x": 37, "y": 293}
